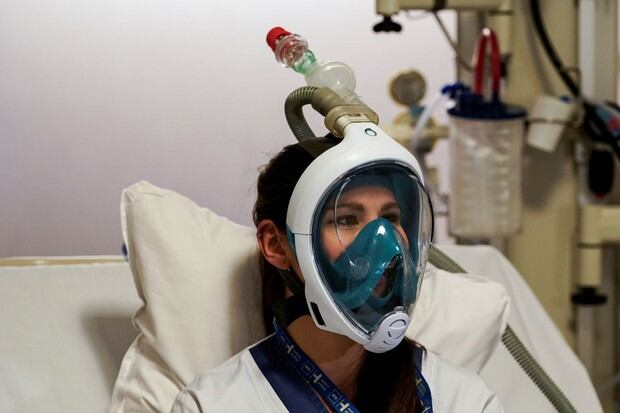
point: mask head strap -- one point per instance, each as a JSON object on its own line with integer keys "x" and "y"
{"x": 292, "y": 282}
{"x": 291, "y": 308}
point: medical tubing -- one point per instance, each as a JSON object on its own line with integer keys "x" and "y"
{"x": 294, "y": 114}
{"x": 446, "y": 92}
{"x": 425, "y": 116}
{"x": 531, "y": 367}
{"x": 487, "y": 35}
{"x": 459, "y": 59}
{"x": 550, "y": 50}
{"x": 323, "y": 100}
{"x": 551, "y": 391}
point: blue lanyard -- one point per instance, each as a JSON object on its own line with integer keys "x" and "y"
{"x": 421, "y": 386}
{"x": 327, "y": 389}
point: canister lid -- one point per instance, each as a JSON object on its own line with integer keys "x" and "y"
{"x": 472, "y": 106}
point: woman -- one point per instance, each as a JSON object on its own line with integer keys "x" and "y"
{"x": 303, "y": 367}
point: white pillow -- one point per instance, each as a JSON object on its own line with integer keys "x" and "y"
{"x": 460, "y": 317}
{"x": 197, "y": 275}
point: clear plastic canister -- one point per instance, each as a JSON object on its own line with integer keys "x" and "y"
{"x": 485, "y": 177}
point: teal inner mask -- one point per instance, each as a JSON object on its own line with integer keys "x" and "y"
{"x": 378, "y": 255}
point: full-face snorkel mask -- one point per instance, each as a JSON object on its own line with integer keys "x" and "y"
{"x": 360, "y": 223}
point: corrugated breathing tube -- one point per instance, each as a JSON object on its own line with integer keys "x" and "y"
{"x": 518, "y": 351}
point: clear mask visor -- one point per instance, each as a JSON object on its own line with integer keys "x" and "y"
{"x": 371, "y": 237}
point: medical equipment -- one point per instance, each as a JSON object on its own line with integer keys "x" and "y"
{"x": 363, "y": 284}
{"x": 351, "y": 123}
{"x": 551, "y": 391}
{"x": 388, "y": 8}
{"x": 601, "y": 127}
{"x": 408, "y": 89}
{"x": 599, "y": 226}
{"x": 545, "y": 247}
{"x": 601, "y": 122}
{"x": 367, "y": 293}
{"x": 291, "y": 50}
{"x": 486, "y": 139}
{"x": 500, "y": 13}
{"x": 422, "y": 123}
{"x": 547, "y": 121}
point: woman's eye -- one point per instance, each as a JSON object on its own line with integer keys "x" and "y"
{"x": 347, "y": 221}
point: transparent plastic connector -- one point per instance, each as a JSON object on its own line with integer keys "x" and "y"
{"x": 291, "y": 50}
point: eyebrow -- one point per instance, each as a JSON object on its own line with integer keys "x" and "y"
{"x": 390, "y": 206}
{"x": 353, "y": 205}
{"x": 359, "y": 207}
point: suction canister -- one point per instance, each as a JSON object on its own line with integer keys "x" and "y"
{"x": 486, "y": 140}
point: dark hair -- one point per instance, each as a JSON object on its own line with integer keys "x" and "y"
{"x": 385, "y": 382}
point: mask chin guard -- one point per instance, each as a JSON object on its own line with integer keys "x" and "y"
{"x": 389, "y": 334}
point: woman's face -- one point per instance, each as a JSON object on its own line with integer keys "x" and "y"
{"x": 355, "y": 209}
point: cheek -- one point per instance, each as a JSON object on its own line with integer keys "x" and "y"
{"x": 333, "y": 247}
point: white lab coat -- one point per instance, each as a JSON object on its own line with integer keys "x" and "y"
{"x": 239, "y": 385}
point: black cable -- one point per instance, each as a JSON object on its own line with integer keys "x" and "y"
{"x": 601, "y": 166}
{"x": 550, "y": 50}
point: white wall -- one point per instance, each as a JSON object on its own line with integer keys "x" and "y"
{"x": 95, "y": 95}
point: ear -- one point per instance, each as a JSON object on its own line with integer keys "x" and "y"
{"x": 273, "y": 244}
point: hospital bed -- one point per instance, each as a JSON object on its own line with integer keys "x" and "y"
{"x": 67, "y": 322}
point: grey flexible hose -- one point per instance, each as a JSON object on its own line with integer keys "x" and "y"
{"x": 294, "y": 114}
{"x": 531, "y": 367}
